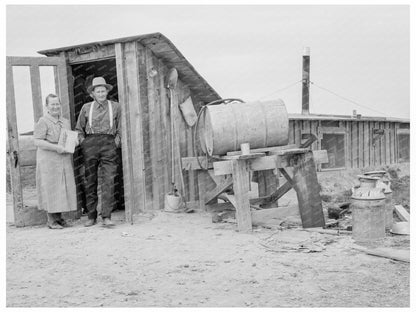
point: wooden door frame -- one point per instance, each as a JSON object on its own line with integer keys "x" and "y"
{"x": 61, "y": 86}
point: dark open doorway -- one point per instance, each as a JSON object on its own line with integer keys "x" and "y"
{"x": 83, "y": 74}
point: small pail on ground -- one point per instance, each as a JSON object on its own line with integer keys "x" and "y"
{"x": 173, "y": 203}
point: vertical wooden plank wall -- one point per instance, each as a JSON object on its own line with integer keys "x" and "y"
{"x": 128, "y": 178}
{"x": 154, "y": 129}
{"x": 145, "y": 121}
{"x": 165, "y": 152}
{"x": 154, "y": 116}
{"x": 360, "y": 151}
{"x": 354, "y": 143}
{"x": 361, "y": 163}
{"x": 388, "y": 147}
{"x": 367, "y": 143}
{"x": 133, "y": 160}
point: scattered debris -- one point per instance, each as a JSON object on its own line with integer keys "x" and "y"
{"x": 294, "y": 240}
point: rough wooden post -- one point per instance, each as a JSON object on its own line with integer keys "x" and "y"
{"x": 241, "y": 189}
{"x": 305, "y": 182}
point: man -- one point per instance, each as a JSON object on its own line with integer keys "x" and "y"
{"x": 99, "y": 128}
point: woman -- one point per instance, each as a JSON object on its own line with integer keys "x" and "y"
{"x": 55, "y": 182}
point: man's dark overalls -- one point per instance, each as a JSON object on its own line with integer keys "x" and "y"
{"x": 99, "y": 130}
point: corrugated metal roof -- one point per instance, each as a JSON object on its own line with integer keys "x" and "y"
{"x": 164, "y": 49}
{"x": 345, "y": 117}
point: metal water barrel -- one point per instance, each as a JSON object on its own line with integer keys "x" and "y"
{"x": 384, "y": 183}
{"x": 368, "y": 211}
{"x": 261, "y": 124}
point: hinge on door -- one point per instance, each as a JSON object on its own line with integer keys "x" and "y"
{"x": 16, "y": 158}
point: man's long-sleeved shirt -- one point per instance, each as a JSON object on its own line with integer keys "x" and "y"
{"x": 100, "y": 120}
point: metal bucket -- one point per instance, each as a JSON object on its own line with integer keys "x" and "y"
{"x": 261, "y": 124}
{"x": 368, "y": 211}
{"x": 173, "y": 203}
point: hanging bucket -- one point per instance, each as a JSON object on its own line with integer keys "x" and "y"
{"x": 173, "y": 203}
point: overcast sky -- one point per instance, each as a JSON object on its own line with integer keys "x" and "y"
{"x": 251, "y": 52}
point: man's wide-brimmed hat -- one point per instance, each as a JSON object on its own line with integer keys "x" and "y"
{"x": 99, "y": 81}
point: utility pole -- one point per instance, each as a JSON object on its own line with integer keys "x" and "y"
{"x": 305, "y": 80}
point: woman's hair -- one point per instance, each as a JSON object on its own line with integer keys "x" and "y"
{"x": 50, "y": 96}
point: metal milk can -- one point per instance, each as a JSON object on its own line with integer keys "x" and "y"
{"x": 385, "y": 183}
{"x": 368, "y": 210}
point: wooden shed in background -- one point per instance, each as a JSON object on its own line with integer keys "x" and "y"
{"x": 137, "y": 67}
{"x": 354, "y": 141}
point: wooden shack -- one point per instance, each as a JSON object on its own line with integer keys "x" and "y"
{"x": 354, "y": 141}
{"x": 137, "y": 67}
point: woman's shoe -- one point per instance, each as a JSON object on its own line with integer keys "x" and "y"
{"x": 55, "y": 226}
{"x": 63, "y": 223}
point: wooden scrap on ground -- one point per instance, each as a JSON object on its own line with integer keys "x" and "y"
{"x": 395, "y": 254}
{"x": 402, "y": 213}
{"x": 274, "y": 216}
{"x": 327, "y": 231}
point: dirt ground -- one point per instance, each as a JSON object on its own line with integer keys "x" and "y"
{"x": 185, "y": 260}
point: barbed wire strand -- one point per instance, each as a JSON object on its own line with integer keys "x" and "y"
{"x": 347, "y": 99}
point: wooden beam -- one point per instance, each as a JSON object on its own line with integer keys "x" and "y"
{"x": 287, "y": 176}
{"x": 263, "y": 163}
{"x": 220, "y": 188}
{"x": 231, "y": 199}
{"x": 101, "y": 52}
{"x": 402, "y": 213}
{"x": 265, "y": 149}
{"x": 273, "y": 216}
{"x": 241, "y": 188}
{"x": 29, "y": 61}
{"x": 201, "y": 189}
